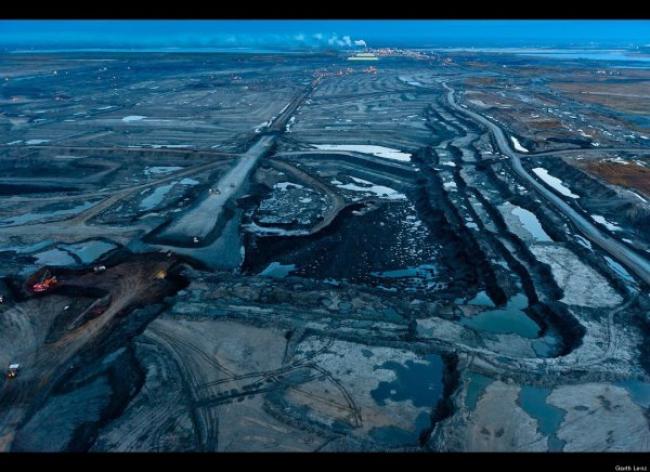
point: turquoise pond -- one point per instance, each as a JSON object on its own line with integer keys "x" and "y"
{"x": 533, "y": 400}
{"x": 477, "y": 385}
{"x": 421, "y": 383}
{"x": 45, "y": 216}
{"x": 277, "y": 270}
{"x": 511, "y": 319}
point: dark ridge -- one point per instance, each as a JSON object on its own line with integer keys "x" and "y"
{"x": 455, "y": 256}
{"x": 19, "y": 189}
{"x": 125, "y": 376}
{"x": 543, "y": 272}
{"x": 272, "y": 246}
{"x": 374, "y": 164}
{"x": 555, "y": 314}
{"x": 448, "y": 224}
{"x": 445, "y": 407}
{"x": 643, "y": 323}
{"x": 581, "y": 143}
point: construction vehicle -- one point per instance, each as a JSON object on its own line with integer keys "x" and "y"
{"x": 47, "y": 283}
{"x": 12, "y": 371}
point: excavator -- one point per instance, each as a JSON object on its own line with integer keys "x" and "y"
{"x": 47, "y": 282}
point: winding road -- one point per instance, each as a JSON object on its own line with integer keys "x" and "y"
{"x": 619, "y": 251}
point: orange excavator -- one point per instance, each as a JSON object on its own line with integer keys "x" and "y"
{"x": 45, "y": 284}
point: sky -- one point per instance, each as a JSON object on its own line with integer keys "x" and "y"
{"x": 318, "y": 34}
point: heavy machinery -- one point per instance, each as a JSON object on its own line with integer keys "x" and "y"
{"x": 12, "y": 371}
{"x": 47, "y": 283}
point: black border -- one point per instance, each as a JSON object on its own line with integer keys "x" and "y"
{"x": 522, "y": 462}
{"x": 324, "y": 9}
{"x": 311, "y": 9}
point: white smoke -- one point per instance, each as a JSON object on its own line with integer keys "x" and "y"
{"x": 299, "y": 40}
{"x": 343, "y": 42}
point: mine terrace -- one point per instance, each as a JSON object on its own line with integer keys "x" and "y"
{"x": 302, "y": 252}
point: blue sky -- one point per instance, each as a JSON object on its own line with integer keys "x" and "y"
{"x": 309, "y": 34}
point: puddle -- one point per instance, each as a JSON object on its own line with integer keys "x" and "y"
{"x": 481, "y": 299}
{"x": 554, "y": 182}
{"x": 607, "y": 224}
{"x": 48, "y": 215}
{"x": 365, "y": 186}
{"x": 517, "y": 145}
{"x": 583, "y": 242}
{"x": 30, "y": 248}
{"x": 394, "y": 436}
{"x": 419, "y": 382}
{"x": 409, "y": 81}
{"x": 160, "y": 170}
{"x": 510, "y": 319}
{"x": 424, "y": 271}
{"x": 639, "y": 391}
{"x": 154, "y": 198}
{"x": 546, "y": 346}
{"x": 55, "y": 257}
{"x": 89, "y": 251}
{"x": 477, "y": 385}
{"x": 533, "y": 401}
{"x": 277, "y": 270}
{"x": 66, "y": 254}
{"x": 620, "y": 270}
{"x": 130, "y": 118}
{"x": 379, "y": 151}
{"x": 265, "y": 231}
{"x": 224, "y": 253}
{"x": 531, "y": 224}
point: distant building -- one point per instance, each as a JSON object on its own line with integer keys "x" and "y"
{"x": 363, "y": 56}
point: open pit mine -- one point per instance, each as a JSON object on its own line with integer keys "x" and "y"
{"x": 432, "y": 251}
